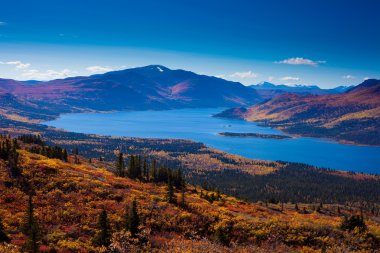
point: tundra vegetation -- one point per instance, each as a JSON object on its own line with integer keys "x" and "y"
{"x": 136, "y": 203}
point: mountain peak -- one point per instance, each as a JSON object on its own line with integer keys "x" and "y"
{"x": 159, "y": 68}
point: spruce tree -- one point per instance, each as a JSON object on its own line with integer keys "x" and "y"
{"x": 131, "y": 167}
{"x": 13, "y": 158}
{"x": 126, "y": 218}
{"x": 154, "y": 171}
{"x": 102, "y": 238}
{"x": 31, "y": 228}
{"x": 178, "y": 179}
{"x": 134, "y": 220}
{"x": 138, "y": 167}
{"x": 120, "y": 165}
{"x": 65, "y": 156}
{"x": 146, "y": 170}
{"x": 3, "y": 235}
{"x": 170, "y": 191}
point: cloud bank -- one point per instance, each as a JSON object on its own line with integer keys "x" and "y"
{"x": 300, "y": 61}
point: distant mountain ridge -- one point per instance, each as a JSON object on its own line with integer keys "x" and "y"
{"x": 353, "y": 116}
{"x": 270, "y": 90}
{"x": 150, "y": 87}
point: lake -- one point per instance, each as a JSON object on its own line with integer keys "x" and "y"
{"x": 199, "y": 125}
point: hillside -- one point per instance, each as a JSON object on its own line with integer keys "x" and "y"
{"x": 353, "y": 116}
{"x": 151, "y": 87}
{"x": 69, "y": 198}
{"x": 269, "y": 90}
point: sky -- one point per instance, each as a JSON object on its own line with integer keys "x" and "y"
{"x": 314, "y": 42}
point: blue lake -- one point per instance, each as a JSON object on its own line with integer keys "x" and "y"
{"x": 199, "y": 125}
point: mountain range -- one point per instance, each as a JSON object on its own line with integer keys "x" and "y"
{"x": 353, "y": 116}
{"x": 349, "y": 114}
{"x": 151, "y": 87}
{"x": 269, "y": 90}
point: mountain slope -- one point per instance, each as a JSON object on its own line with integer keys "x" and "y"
{"x": 150, "y": 87}
{"x": 353, "y": 116}
{"x": 68, "y": 198}
{"x": 268, "y": 90}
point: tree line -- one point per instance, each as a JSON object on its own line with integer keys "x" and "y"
{"x": 146, "y": 170}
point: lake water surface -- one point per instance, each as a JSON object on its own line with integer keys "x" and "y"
{"x": 199, "y": 125}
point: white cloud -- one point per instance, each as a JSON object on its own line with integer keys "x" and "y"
{"x": 348, "y": 77}
{"x": 300, "y": 61}
{"x": 290, "y": 78}
{"x": 46, "y": 75}
{"x": 248, "y": 74}
{"x": 18, "y": 64}
{"x": 98, "y": 69}
{"x": 366, "y": 78}
{"x": 270, "y": 78}
{"x": 221, "y": 76}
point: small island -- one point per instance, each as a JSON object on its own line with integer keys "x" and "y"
{"x": 255, "y": 135}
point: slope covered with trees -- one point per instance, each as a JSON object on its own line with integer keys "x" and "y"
{"x": 85, "y": 206}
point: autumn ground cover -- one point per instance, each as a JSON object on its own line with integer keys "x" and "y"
{"x": 68, "y": 198}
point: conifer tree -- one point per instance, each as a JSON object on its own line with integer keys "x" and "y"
{"x": 13, "y": 158}
{"x": 170, "y": 191}
{"x": 154, "y": 171}
{"x": 134, "y": 220}
{"x": 120, "y": 165}
{"x": 102, "y": 238}
{"x": 138, "y": 171}
{"x": 178, "y": 179}
{"x": 31, "y": 228}
{"x": 146, "y": 170}
{"x": 131, "y": 167}
{"x": 65, "y": 156}
{"x": 126, "y": 218}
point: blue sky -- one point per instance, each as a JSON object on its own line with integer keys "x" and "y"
{"x": 327, "y": 43}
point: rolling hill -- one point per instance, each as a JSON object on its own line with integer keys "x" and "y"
{"x": 353, "y": 116}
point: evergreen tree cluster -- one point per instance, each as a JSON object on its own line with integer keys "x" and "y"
{"x": 51, "y": 152}
{"x": 31, "y": 139}
{"x": 8, "y": 147}
{"x": 148, "y": 171}
{"x": 8, "y": 152}
{"x": 131, "y": 224}
{"x": 140, "y": 168}
{"x": 355, "y": 221}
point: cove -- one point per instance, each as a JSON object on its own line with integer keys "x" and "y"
{"x": 199, "y": 125}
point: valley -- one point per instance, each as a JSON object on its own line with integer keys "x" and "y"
{"x": 196, "y": 126}
{"x": 267, "y": 176}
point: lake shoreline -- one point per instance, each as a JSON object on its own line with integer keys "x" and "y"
{"x": 255, "y": 135}
{"x": 198, "y": 125}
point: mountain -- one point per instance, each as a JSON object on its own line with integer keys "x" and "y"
{"x": 150, "y": 87}
{"x": 269, "y": 90}
{"x": 353, "y": 116}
